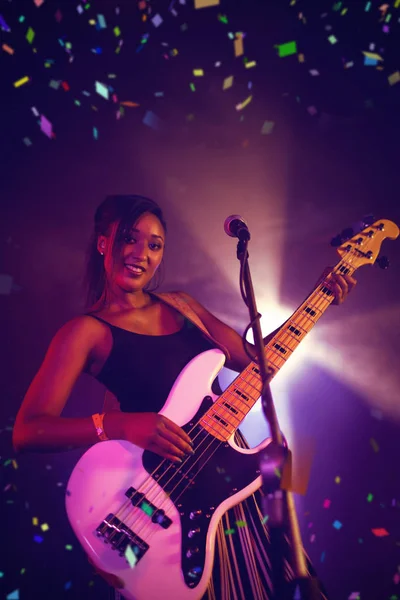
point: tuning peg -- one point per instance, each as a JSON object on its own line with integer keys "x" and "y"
{"x": 383, "y": 262}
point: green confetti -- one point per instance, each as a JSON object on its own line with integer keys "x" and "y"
{"x": 68, "y": 547}
{"x": 117, "y": 31}
{"x": 223, "y": 19}
{"x": 192, "y": 87}
{"x": 229, "y": 531}
{"x": 287, "y": 49}
{"x": 265, "y": 519}
{"x": 368, "y": 6}
{"x": 332, "y": 39}
{"x": 370, "y": 497}
{"x": 241, "y": 523}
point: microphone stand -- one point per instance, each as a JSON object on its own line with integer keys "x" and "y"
{"x": 278, "y": 504}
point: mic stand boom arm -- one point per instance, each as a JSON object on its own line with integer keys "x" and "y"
{"x": 278, "y": 504}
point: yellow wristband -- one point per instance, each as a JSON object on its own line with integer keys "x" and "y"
{"x": 98, "y": 423}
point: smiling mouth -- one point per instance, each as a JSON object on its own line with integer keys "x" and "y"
{"x": 134, "y": 270}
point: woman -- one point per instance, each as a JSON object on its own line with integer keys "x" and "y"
{"x": 133, "y": 339}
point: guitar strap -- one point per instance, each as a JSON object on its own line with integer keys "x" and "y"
{"x": 175, "y": 300}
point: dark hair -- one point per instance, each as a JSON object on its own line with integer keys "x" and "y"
{"x": 126, "y": 210}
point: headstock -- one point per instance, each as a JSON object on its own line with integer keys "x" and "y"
{"x": 362, "y": 247}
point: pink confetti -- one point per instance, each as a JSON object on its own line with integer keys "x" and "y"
{"x": 326, "y": 503}
{"x": 380, "y": 532}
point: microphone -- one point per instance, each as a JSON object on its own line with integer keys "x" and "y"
{"x": 236, "y": 226}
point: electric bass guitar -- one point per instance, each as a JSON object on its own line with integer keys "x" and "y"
{"x": 152, "y": 522}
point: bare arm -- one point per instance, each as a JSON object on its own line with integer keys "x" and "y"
{"x": 38, "y": 425}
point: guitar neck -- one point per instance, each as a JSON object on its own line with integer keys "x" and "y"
{"x": 226, "y": 414}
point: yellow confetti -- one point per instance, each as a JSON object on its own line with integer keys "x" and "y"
{"x": 14, "y": 464}
{"x": 205, "y": 3}
{"x": 228, "y": 82}
{"x": 373, "y": 55}
{"x": 21, "y": 81}
{"x": 44, "y": 527}
{"x": 198, "y": 72}
{"x": 337, "y": 479}
{"x": 394, "y": 77}
{"x": 301, "y": 58}
{"x": 243, "y": 104}
{"x": 250, "y": 64}
{"x": 35, "y": 521}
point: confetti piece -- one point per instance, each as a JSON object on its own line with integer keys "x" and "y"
{"x": 30, "y": 35}
{"x": 7, "y": 49}
{"x": 380, "y": 532}
{"x": 102, "y": 90}
{"x": 13, "y": 596}
{"x": 354, "y": 596}
{"x": 95, "y": 133}
{"x": 265, "y": 519}
{"x": 68, "y": 547}
{"x": 314, "y": 72}
{"x": 3, "y": 24}
{"x": 151, "y": 120}
{"x": 229, "y": 531}
{"x": 130, "y": 557}
{"x": 287, "y": 49}
{"x": 332, "y": 39}
{"x": 46, "y": 126}
{"x": 129, "y": 103}
{"x": 238, "y": 45}
{"x": 44, "y": 527}
{"x": 68, "y": 585}
{"x": 35, "y": 521}
{"x": 157, "y": 20}
{"x": 117, "y": 31}
{"x": 337, "y": 479}
{"x": 374, "y": 445}
{"x": 198, "y": 72}
{"x": 241, "y": 523}
{"x": 38, "y": 539}
{"x": 326, "y": 503}
{"x": 394, "y": 78}
{"x": 243, "y": 104}
{"x": 322, "y": 557}
{"x": 38, "y": 2}
{"x": 14, "y": 464}
{"x": 337, "y": 524}
{"x": 21, "y": 81}
{"x": 228, "y": 82}
{"x": 370, "y": 497}
{"x": 312, "y": 110}
{"x": 147, "y": 508}
{"x": 205, "y": 3}
{"x": 101, "y": 22}
{"x": 267, "y": 127}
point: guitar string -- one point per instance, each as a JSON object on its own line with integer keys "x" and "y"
{"x": 204, "y": 450}
{"x": 129, "y": 506}
{"x": 160, "y": 491}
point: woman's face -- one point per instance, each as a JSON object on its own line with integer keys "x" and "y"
{"x": 142, "y": 247}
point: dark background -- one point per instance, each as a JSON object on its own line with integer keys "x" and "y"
{"x": 297, "y": 187}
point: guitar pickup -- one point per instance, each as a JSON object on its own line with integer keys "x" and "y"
{"x": 116, "y": 533}
{"x": 140, "y": 501}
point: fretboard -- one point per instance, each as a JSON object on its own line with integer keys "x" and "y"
{"x": 229, "y": 410}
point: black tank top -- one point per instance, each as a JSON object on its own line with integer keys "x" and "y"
{"x": 141, "y": 369}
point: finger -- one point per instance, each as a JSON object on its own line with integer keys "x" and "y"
{"x": 173, "y": 443}
{"x": 171, "y": 426}
{"x": 351, "y": 281}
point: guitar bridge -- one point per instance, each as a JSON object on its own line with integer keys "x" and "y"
{"x": 115, "y": 532}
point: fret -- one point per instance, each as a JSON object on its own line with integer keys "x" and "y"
{"x": 234, "y": 408}
{"x": 221, "y": 433}
{"x": 223, "y": 418}
{"x": 222, "y": 415}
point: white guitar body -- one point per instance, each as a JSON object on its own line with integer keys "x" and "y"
{"x": 99, "y": 482}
